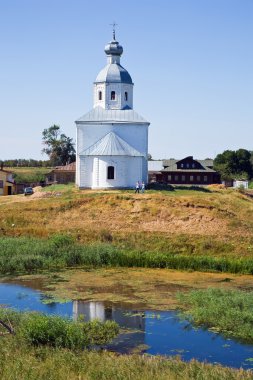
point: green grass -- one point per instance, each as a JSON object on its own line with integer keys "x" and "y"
{"x": 26, "y": 255}
{"x": 226, "y": 311}
{"x": 61, "y": 188}
{"x": 19, "y": 361}
{"x": 29, "y": 174}
{"x": 40, "y": 329}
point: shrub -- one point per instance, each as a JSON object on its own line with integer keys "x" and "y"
{"x": 60, "y": 240}
{"x": 40, "y": 329}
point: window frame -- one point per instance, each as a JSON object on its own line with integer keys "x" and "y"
{"x": 113, "y": 95}
{"x": 109, "y": 168}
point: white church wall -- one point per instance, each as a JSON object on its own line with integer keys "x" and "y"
{"x": 128, "y": 170}
{"x": 129, "y": 89}
{"x": 134, "y": 134}
{"x": 86, "y": 168}
{"x": 96, "y": 102}
{"x": 144, "y": 170}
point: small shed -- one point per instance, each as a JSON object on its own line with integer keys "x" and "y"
{"x": 62, "y": 174}
{"x": 241, "y": 184}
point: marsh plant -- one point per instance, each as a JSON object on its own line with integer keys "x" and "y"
{"x": 226, "y": 311}
{"x": 26, "y": 255}
{"x": 40, "y": 329}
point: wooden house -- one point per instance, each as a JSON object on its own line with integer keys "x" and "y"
{"x": 62, "y": 174}
{"x": 7, "y": 183}
{"x": 188, "y": 171}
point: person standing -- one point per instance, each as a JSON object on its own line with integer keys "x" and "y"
{"x": 137, "y": 187}
{"x": 143, "y": 187}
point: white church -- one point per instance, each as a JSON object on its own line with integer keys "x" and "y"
{"x": 112, "y": 139}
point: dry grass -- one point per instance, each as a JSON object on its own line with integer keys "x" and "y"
{"x": 225, "y": 215}
{"x": 133, "y": 219}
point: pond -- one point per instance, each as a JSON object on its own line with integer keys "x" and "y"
{"x": 146, "y": 331}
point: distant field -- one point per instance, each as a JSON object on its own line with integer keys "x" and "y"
{"x": 29, "y": 174}
{"x": 29, "y": 170}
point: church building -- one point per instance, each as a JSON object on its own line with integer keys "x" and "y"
{"x": 112, "y": 139}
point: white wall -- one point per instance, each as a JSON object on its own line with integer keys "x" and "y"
{"x": 135, "y": 135}
{"x": 119, "y": 102}
{"x": 128, "y": 170}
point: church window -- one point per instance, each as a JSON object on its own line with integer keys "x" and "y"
{"x": 110, "y": 172}
{"x": 176, "y": 177}
{"x": 183, "y": 178}
{"x": 126, "y": 96}
{"x": 1, "y": 184}
{"x": 193, "y": 166}
{"x": 182, "y": 165}
{"x": 191, "y": 178}
{"x": 113, "y": 95}
{"x": 205, "y": 178}
{"x": 198, "y": 178}
{"x": 169, "y": 177}
{"x": 99, "y": 95}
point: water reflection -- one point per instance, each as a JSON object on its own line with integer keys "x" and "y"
{"x": 130, "y": 320}
{"x": 158, "y": 332}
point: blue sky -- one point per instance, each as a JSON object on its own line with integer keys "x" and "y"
{"x": 191, "y": 62}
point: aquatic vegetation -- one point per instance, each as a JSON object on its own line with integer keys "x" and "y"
{"x": 40, "y": 329}
{"x": 26, "y": 255}
{"x": 226, "y": 311}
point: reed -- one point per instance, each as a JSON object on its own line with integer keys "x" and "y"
{"x": 226, "y": 311}
{"x": 26, "y": 255}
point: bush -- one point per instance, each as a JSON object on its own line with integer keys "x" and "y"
{"x": 40, "y": 329}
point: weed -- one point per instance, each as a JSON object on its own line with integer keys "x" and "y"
{"x": 227, "y": 311}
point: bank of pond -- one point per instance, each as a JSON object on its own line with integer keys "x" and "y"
{"x": 38, "y": 320}
{"x": 29, "y": 255}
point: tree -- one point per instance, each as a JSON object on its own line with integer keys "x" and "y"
{"x": 59, "y": 147}
{"x": 234, "y": 164}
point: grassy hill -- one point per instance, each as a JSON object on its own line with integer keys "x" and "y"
{"x": 214, "y": 222}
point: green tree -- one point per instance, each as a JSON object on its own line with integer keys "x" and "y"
{"x": 234, "y": 164}
{"x": 58, "y": 146}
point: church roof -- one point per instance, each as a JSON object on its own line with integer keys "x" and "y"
{"x": 114, "y": 73}
{"x": 99, "y": 114}
{"x": 111, "y": 145}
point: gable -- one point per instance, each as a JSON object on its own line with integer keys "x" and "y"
{"x": 111, "y": 145}
{"x": 189, "y": 163}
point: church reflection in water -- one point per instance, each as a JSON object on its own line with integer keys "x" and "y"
{"x": 131, "y": 320}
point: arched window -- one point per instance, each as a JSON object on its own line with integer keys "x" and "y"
{"x": 99, "y": 95}
{"x": 110, "y": 172}
{"x": 112, "y": 95}
{"x": 126, "y": 96}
